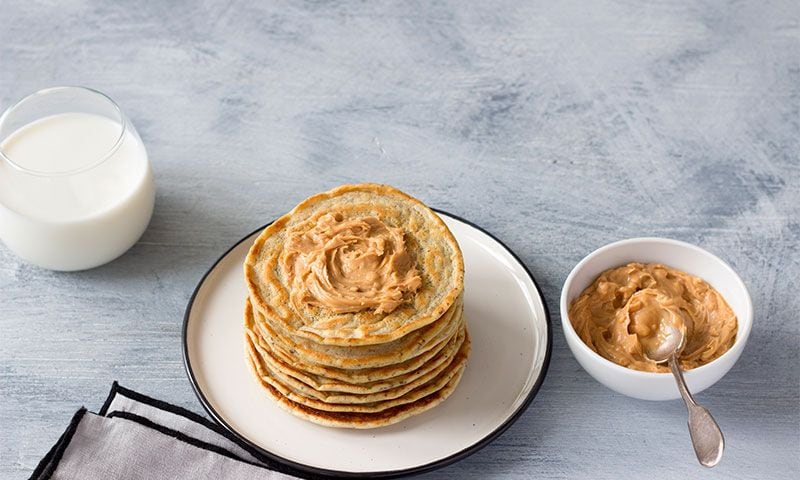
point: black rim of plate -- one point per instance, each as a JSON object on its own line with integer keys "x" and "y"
{"x": 306, "y": 471}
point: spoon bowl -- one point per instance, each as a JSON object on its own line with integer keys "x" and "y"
{"x": 707, "y": 438}
{"x": 672, "y": 342}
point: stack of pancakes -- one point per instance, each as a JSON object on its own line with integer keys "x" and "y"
{"x": 332, "y": 347}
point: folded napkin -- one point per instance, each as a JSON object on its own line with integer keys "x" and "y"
{"x": 138, "y": 437}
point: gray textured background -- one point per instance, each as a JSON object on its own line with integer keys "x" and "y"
{"x": 557, "y": 126}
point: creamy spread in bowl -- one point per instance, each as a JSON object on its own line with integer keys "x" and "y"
{"x": 627, "y": 308}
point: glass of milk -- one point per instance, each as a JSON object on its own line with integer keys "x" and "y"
{"x": 76, "y": 190}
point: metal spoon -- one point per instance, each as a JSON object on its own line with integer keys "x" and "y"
{"x": 707, "y": 438}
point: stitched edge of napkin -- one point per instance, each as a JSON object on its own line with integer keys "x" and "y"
{"x": 146, "y": 422}
{"x": 50, "y": 461}
{"x": 117, "y": 389}
{"x": 48, "y": 464}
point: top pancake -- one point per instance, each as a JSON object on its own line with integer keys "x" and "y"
{"x": 428, "y": 241}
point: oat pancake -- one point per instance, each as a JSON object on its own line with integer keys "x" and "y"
{"x": 364, "y": 356}
{"x": 355, "y": 311}
{"x": 364, "y": 415}
{"x": 357, "y": 394}
{"x": 362, "y": 375}
{"x": 322, "y": 383}
{"x": 423, "y": 237}
{"x": 384, "y": 418}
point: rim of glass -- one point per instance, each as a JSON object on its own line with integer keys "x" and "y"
{"x": 90, "y": 165}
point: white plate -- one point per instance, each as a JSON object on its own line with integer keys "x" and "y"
{"x": 511, "y": 336}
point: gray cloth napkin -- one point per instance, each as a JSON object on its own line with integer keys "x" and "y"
{"x": 138, "y": 437}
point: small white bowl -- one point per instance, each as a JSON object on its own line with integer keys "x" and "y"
{"x": 682, "y": 256}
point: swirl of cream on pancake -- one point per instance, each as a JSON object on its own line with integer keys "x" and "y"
{"x": 351, "y": 265}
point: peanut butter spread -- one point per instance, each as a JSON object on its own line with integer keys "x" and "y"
{"x": 350, "y": 265}
{"x": 626, "y": 310}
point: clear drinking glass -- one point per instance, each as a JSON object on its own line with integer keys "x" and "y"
{"x": 76, "y": 188}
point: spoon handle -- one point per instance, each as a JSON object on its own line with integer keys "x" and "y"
{"x": 707, "y": 438}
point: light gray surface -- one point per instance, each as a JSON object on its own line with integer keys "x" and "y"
{"x": 557, "y": 126}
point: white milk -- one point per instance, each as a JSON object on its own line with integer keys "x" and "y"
{"x": 79, "y": 220}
